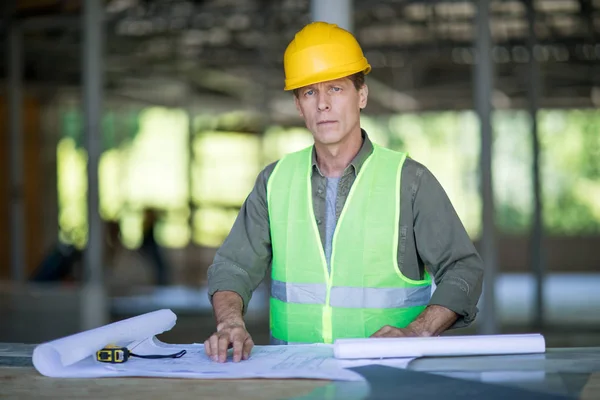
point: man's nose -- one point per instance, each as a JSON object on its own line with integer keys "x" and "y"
{"x": 323, "y": 104}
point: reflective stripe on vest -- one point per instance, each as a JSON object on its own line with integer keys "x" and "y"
{"x": 365, "y": 289}
{"x": 351, "y": 297}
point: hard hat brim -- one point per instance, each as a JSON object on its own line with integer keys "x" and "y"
{"x": 328, "y": 75}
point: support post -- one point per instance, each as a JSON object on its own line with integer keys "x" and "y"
{"x": 537, "y": 259}
{"x": 15, "y": 122}
{"x": 94, "y": 301}
{"x": 338, "y": 12}
{"x": 483, "y": 104}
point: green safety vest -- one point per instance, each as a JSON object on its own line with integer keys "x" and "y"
{"x": 365, "y": 289}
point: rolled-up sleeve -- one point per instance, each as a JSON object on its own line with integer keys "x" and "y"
{"x": 242, "y": 261}
{"x": 447, "y": 251}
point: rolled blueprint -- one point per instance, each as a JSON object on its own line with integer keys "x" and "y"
{"x": 57, "y": 358}
{"x": 475, "y": 345}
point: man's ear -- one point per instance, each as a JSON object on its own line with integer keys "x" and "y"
{"x": 363, "y": 94}
{"x": 297, "y": 103}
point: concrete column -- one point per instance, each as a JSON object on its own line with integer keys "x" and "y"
{"x": 338, "y": 12}
{"x": 15, "y": 122}
{"x": 483, "y": 104}
{"x": 94, "y": 301}
{"x": 537, "y": 258}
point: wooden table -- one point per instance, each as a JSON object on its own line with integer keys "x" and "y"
{"x": 568, "y": 372}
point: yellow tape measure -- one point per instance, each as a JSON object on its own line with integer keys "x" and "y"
{"x": 113, "y": 354}
{"x": 116, "y": 355}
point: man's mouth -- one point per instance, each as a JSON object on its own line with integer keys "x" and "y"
{"x": 326, "y": 122}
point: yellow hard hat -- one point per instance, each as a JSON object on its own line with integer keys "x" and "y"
{"x": 322, "y": 52}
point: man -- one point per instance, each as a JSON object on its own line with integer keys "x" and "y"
{"x": 352, "y": 231}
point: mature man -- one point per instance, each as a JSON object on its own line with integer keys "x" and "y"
{"x": 353, "y": 232}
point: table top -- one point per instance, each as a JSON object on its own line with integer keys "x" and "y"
{"x": 559, "y": 373}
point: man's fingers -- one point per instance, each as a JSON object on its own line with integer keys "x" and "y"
{"x": 238, "y": 344}
{"x": 382, "y": 332}
{"x": 390, "y": 331}
{"x": 222, "y": 347}
{"x": 236, "y": 338}
{"x": 214, "y": 347}
{"x": 239, "y": 339}
{"x": 248, "y": 345}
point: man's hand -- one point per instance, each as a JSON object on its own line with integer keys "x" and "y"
{"x": 390, "y": 331}
{"x": 431, "y": 322}
{"x": 229, "y": 334}
{"x": 231, "y": 330}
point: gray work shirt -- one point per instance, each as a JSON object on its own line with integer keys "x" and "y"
{"x": 330, "y": 217}
{"x": 430, "y": 236}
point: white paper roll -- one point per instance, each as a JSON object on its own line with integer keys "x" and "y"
{"x": 53, "y": 358}
{"x": 439, "y": 346}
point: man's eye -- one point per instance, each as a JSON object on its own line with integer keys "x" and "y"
{"x": 309, "y": 93}
{"x": 336, "y": 89}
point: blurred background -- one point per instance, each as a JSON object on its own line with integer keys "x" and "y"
{"x": 133, "y": 130}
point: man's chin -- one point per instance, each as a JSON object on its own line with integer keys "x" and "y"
{"x": 330, "y": 137}
{"x": 327, "y": 141}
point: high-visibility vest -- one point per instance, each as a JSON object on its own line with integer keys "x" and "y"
{"x": 365, "y": 289}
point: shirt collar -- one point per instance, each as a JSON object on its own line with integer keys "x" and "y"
{"x": 357, "y": 162}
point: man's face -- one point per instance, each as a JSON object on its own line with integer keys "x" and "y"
{"x": 331, "y": 110}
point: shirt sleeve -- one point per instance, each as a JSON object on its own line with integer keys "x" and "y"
{"x": 447, "y": 251}
{"x": 240, "y": 264}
